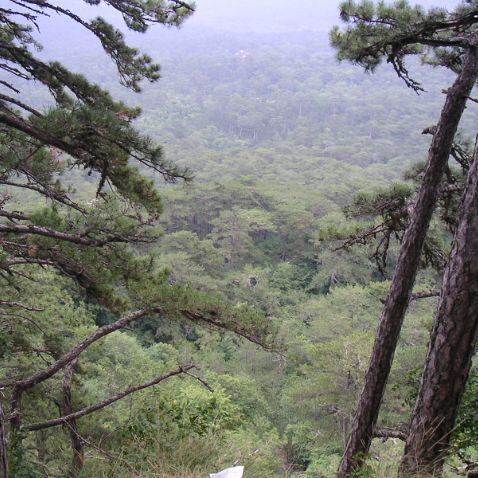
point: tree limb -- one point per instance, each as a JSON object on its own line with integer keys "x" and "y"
{"x": 57, "y": 196}
{"x": 62, "y": 236}
{"x": 100, "y": 405}
{"x": 76, "y": 351}
{"x": 424, "y": 294}
{"x": 76, "y": 441}
{"x": 26, "y": 107}
{"x": 196, "y": 316}
{"x": 20, "y": 386}
{"x": 5, "y": 303}
{"x": 113, "y": 458}
{"x": 387, "y": 433}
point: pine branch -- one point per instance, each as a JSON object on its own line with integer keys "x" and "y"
{"x": 43, "y": 375}
{"x": 100, "y": 405}
{"x": 14, "y": 215}
{"x": 4, "y": 303}
{"x": 60, "y": 197}
{"x": 94, "y": 157}
{"x": 218, "y": 322}
{"x": 19, "y": 103}
{"x": 19, "y": 261}
{"x": 63, "y": 236}
{"x": 9, "y": 85}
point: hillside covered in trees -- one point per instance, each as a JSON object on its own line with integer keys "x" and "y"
{"x": 198, "y": 284}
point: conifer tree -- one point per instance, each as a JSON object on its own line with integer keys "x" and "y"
{"x": 377, "y": 32}
{"x": 451, "y": 347}
{"x": 84, "y": 129}
{"x": 87, "y": 130}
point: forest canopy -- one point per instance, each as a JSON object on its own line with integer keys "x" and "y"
{"x": 194, "y": 257}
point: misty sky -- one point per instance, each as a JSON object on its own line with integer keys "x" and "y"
{"x": 277, "y": 15}
{"x": 236, "y": 16}
{"x": 253, "y": 15}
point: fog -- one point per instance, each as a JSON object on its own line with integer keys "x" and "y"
{"x": 235, "y": 15}
{"x": 277, "y": 15}
{"x": 212, "y": 19}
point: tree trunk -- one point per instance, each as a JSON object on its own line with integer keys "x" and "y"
{"x": 76, "y": 441}
{"x": 451, "y": 346}
{"x": 388, "y": 331}
{"x": 3, "y": 446}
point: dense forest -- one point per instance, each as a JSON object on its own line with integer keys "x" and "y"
{"x": 173, "y": 311}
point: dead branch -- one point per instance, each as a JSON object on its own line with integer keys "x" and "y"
{"x": 386, "y": 433}
{"x": 20, "y": 386}
{"x": 100, "y": 405}
{"x": 200, "y": 380}
{"x": 45, "y": 191}
{"x": 424, "y": 294}
{"x": 5, "y": 303}
{"x": 216, "y": 322}
{"x": 63, "y": 236}
{"x": 76, "y": 351}
{"x": 363, "y": 236}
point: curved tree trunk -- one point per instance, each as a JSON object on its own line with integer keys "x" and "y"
{"x": 451, "y": 346}
{"x": 368, "y": 406}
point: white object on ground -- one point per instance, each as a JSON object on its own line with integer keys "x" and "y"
{"x": 235, "y": 472}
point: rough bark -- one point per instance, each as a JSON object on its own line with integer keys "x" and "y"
{"x": 3, "y": 446}
{"x": 451, "y": 346}
{"x": 76, "y": 442}
{"x": 388, "y": 331}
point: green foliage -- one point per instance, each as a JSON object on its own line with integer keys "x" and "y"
{"x": 379, "y": 31}
{"x": 323, "y": 467}
{"x": 280, "y": 150}
{"x": 464, "y": 435}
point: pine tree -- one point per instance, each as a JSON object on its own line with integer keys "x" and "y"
{"x": 90, "y": 242}
{"x": 377, "y": 32}
{"x": 84, "y": 130}
{"x": 451, "y": 347}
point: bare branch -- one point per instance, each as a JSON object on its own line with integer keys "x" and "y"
{"x": 217, "y": 322}
{"x": 363, "y": 236}
{"x": 26, "y": 107}
{"x": 100, "y": 405}
{"x": 14, "y": 215}
{"x": 39, "y": 377}
{"x": 42, "y": 189}
{"x": 22, "y": 317}
{"x": 386, "y": 433}
{"x": 64, "y": 236}
{"x": 20, "y": 386}
{"x": 424, "y": 294}
{"x": 9, "y": 86}
{"x": 5, "y": 303}
{"x": 200, "y": 380}
{"x": 28, "y": 260}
